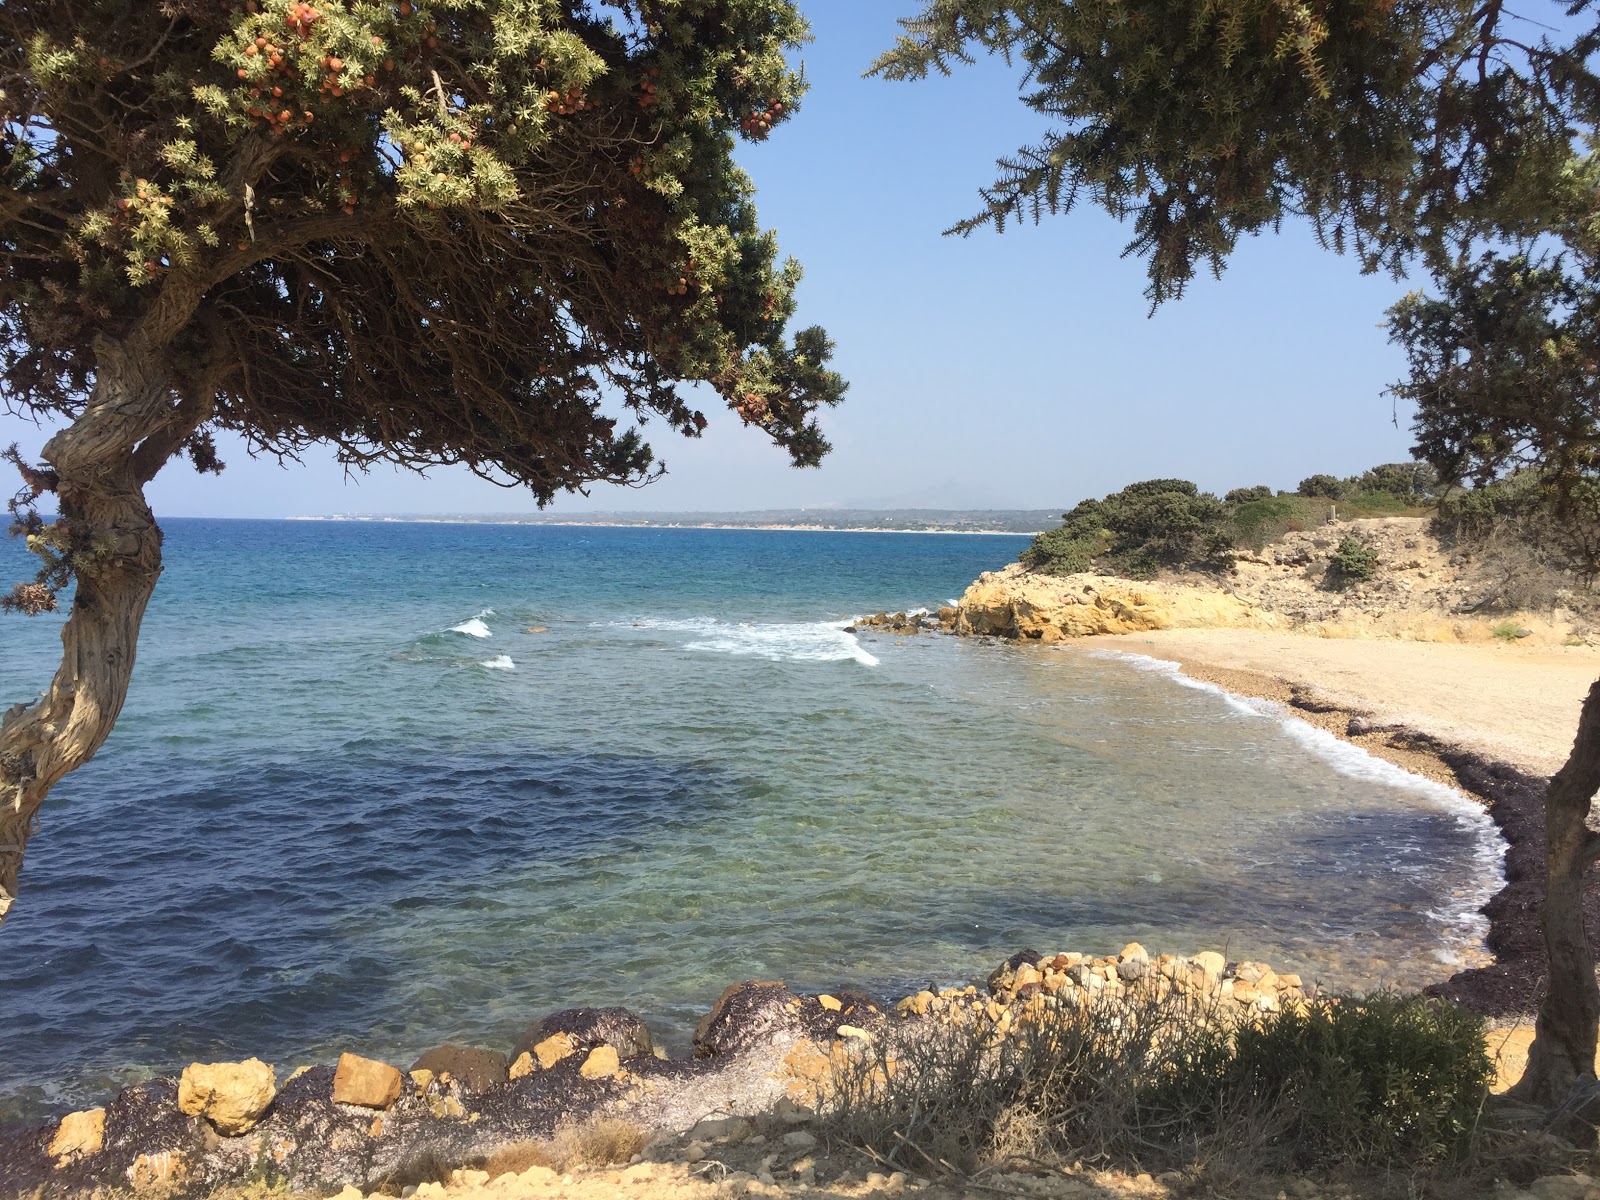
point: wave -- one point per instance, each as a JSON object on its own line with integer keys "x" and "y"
{"x": 810, "y": 641}
{"x": 472, "y": 628}
{"x": 1462, "y": 913}
{"x": 501, "y": 662}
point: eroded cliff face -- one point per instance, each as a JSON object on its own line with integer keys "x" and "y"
{"x": 1016, "y": 603}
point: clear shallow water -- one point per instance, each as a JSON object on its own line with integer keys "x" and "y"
{"x": 353, "y": 804}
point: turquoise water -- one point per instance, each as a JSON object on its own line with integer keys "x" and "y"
{"x": 353, "y": 803}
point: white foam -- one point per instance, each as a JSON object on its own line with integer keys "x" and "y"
{"x": 1489, "y": 848}
{"x": 807, "y": 641}
{"x": 500, "y": 662}
{"x": 472, "y": 628}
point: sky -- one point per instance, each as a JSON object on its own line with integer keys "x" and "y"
{"x": 1021, "y": 370}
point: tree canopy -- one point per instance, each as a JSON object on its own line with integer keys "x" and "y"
{"x": 433, "y": 232}
{"x": 1399, "y": 128}
{"x": 498, "y": 233}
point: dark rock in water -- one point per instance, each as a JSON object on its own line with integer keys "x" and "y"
{"x": 478, "y": 1069}
{"x": 590, "y": 1027}
{"x": 1000, "y": 978}
{"x": 745, "y": 1014}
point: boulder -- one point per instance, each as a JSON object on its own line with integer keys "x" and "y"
{"x": 365, "y": 1082}
{"x": 477, "y": 1070}
{"x": 584, "y": 1029}
{"x": 1212, "y": 963}
{"x": 745, "y": 1015}
{"x": 79, "y": 1134}
{"x": 602, "y": 1063}
{"x": 231, "y": 1095}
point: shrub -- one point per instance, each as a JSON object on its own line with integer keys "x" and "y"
{"x": 1137, "y": 531}
{"x": 1322, "y": 487}
{"x": 1264, "y": 519}
{"x": 1163, "y": 1081}
{"x": 1506, "y": 631}
{"x": 1353, "y": 560}
{"x": 1247, "y": 494}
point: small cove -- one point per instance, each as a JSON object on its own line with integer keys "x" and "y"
{"x": 354, "y": 804}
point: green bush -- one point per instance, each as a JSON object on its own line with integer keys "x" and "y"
{"x": 1137, "y": 531}
{"x": 1259, "y": 521}
{"x": 1324, "y": 487}
{"x": 1162, "y": 1081}
{"x": 1353, "y": 561}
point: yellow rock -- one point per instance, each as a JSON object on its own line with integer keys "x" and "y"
{"x": 829, "y": 1003}
{"x": 1133, "y": 952}
{"x": 553, "y": 1049}
{"x": 523, "y": 1066}
{"x": 231, "y": 1095}
{"x": 376, "y": 1129}
{"x": 422, "y": 1078}
{"x": 1026, "y": 975}
{"x": 602, "y": 1063}
{"x": 78, "y": 1134}
{"x": 1212, "y": 963}
{"x": 366, "y": 1082}
{"x": 854, "y": 1031}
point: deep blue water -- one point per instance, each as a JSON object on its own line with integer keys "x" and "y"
{"x": 335, "y": 815}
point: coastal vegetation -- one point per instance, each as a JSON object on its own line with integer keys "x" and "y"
{"x": 1171, "y": 524}
{"x": 491, "y": 233}
{"x": 1431, "y": 137}
{"x": 1162, "y": 1083}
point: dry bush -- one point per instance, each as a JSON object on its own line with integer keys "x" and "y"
{"x": 1159, "y": 1082}
{"x": 600, "y": 1142}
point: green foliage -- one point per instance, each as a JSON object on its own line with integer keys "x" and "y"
{"x": 1399, "y": 129}
{"x": 1353, "y": 560}
{"x": 1502, "y": 369}
{"x": 1170, "y": 523}
{"x": 1137, "y": 531}
{"x": 1556, "y": 526}
{"x": 1506, "y": 631}
{"x": 503, "y": 233}
{"x": 1248, "y": 494}
{"x": 1325, "y": 487}
{"x": 1388, "y": 1081}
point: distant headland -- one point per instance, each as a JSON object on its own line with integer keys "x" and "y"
{"x": 833, "y": 520}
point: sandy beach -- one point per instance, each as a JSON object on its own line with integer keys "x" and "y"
{"x": 1505, "y": 701}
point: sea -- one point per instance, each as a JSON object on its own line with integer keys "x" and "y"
{"x": 381, "y": 785}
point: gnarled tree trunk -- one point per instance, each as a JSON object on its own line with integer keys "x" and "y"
{"x": 1563, "y": 1051}
{"x": 131, "y": 426}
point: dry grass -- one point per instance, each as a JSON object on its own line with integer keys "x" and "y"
{"x": 601, "y": 1142}
{"x": 1161, "y": 1083}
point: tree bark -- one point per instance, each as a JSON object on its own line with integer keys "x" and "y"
{"x": 1563, "y": 1051}
{"x": 130, "y": 427}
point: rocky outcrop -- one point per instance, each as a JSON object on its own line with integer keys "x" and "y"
{"x": 1022, "y": 604}
{"x": 763, "y": 1049}
{"x": 1419, "y": 591}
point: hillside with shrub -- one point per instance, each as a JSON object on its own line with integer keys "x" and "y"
{"x": 1392, "y": 537}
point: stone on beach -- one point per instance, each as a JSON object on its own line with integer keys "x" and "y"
{"x": 365, "y": 1082}
{"x": 231, "y": 1095}
{"x": 79, "y": 1134}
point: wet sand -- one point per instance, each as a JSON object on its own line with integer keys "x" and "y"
{"x": 1493, "y": 720}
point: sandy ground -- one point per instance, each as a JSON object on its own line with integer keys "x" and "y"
{"x": 1517, "y": 704}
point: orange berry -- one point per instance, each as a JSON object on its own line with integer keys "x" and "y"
{"x": 335, "y": 64}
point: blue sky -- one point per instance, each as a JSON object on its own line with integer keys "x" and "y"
{"x": 1020, "y": 370}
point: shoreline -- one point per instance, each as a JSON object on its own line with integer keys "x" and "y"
{"x": 660, "y": 525}
{"x": 1507, "y": 988}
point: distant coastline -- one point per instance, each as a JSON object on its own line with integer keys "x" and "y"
{"x": 1002, "y": 522}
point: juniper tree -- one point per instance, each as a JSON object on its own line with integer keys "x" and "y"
{"x": 1411, "y": 133}
{"x": 496, "y": 233}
